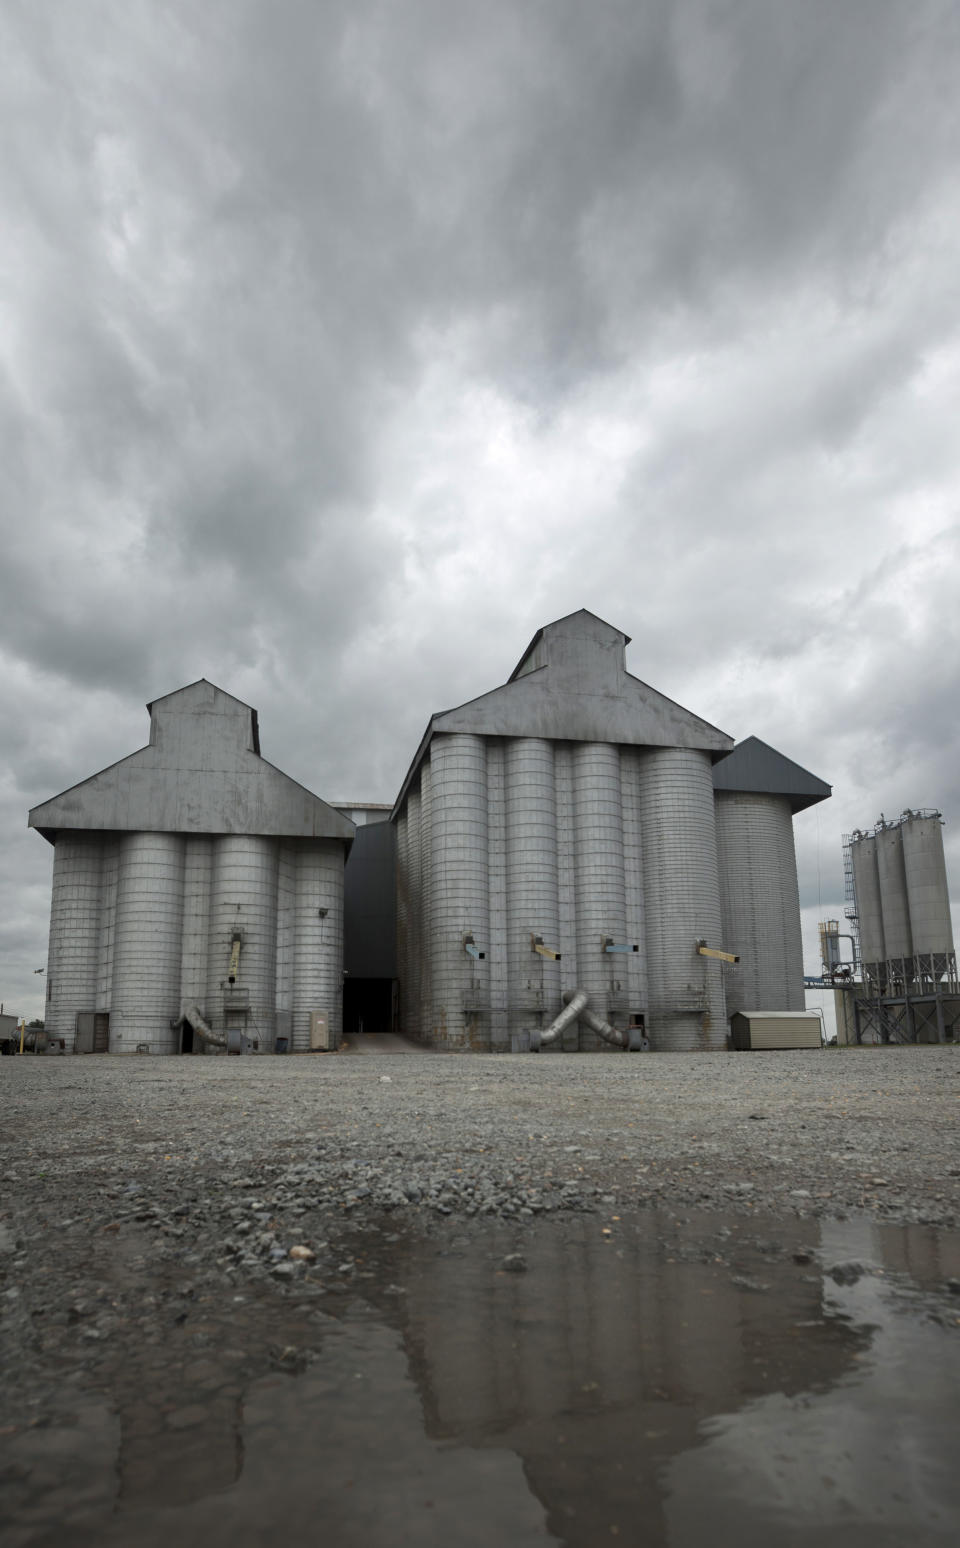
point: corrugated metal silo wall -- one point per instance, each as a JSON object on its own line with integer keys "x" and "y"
{"x": 531, "y": 886}
{"x": 317, "y": 938}
{"x": 410, "y": 864}
{"x": 931, "y": 927}
{"x": 760, "y": 902}
{"x": 459, "y": 891}
{"x": 893, "y": 894}
{"x": 600, "y": 891}
{"x": 866, "y": 887}
{"x": 197, "y": 870}
{"x": 148, "y": 945}
{"x": 72, "y": 956}
{"x": 682, "y": 898}
{"x": 244, "y": 899}
{"x": 577, "y": 843}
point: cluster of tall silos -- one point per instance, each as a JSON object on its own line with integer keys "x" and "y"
{"x": 902, "y": 900}
{"x": 575, "y": 833}
{"x": 197, "y": 898}
{"x": 528, "y": 866}
{"x": 147, "y": 927}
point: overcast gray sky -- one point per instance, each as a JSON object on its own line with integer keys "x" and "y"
{"x": 343, "y": 345}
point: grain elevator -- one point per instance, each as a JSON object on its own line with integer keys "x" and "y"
{"x": 197, "y": 900}
{"x": 582, "y": 863}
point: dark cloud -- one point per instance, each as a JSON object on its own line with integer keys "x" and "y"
{"x": 344, "y": 344}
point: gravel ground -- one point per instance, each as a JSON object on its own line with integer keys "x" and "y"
{"x": 134, "y": 1190}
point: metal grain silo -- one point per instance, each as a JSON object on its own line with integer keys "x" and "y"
{"x": 242, "y": 951}
{"x": 318, "y": 940}
{"x": 197, "y": 871}
{"x": 109, "y": 884}
{"x": 633, "y": 965}
{"x": 682, "y": 899}
{"x": 410, "y": 997}
{"x": 459, "y": 890}
{"x": 760, "y": 901}
{"x": 531, "y": 881}
{"x": 866, "y": 889}
{"x": 894, "y": 903}
{"x": 931, "y": 927}
{"x": 426, "y": 902}
{"x": 168, "y": 880}
{"x": 145, "y": 1000}
{"x": 600, "y": 889}
{"x": 74, "y": 932}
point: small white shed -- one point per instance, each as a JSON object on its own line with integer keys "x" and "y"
{"x": 775, "y": 1029}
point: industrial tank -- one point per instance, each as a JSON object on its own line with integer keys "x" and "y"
{"x": 74, "y": 932}
{"x": 459, "y": 888}
{"x": 893, "y": 893}
{"x": 531, "y": 879}
{"x": 682, "y": 899}
{"x": 145, "y": 1003}
{"x": 866, "y": 886}
{"x": 925, "y": 870}
{"x": 760, "y": 902}
{"x": 599, "y": 889}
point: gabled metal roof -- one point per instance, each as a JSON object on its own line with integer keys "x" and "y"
{"x": 201, "y": 772}
{"x": 758, "y": 769}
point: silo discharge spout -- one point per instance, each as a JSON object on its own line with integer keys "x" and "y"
{"x": 576, "y": 1000}
{"x": 596, "y": 1023}
{"x": 202, "y": 1029}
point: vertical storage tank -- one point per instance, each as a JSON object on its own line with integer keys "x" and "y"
{"x": 587, "y": 825}
{"x": 145, "y": 999}
{"x": 681, "y": 899}
{"x": 925, "y": 871}
{"x": 866, "y": 888}
{"x": 531, "y": 888}
{"x": 459, "y": 886}
{"x": 74, "y": 933}
{"x": 600, "y": 885}
{"x": 760, "y": 902}
{"x": 158, "y": 876}
{"x": 895, "y": 907}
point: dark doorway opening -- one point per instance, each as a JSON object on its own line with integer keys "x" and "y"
{"x": 186, "y": 1038}
{"x": 368, "y": 1005}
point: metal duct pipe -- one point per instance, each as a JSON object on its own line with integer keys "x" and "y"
{"x": 597, "y": 1024}
{"x": 571, "y": 1013}
{"x": 145, "y": 1002}
{"x": 531, "y": 878}
{"x": 74, "y": 933}
{"x": 459, "y": 890}
{"x": 760, "y": 902}
{"x": 193, "y": 1015}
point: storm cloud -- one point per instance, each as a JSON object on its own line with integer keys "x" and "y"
{"x": 343, "y": 345}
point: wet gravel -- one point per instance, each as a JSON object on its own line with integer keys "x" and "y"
{"x": 147, "y": 1203}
